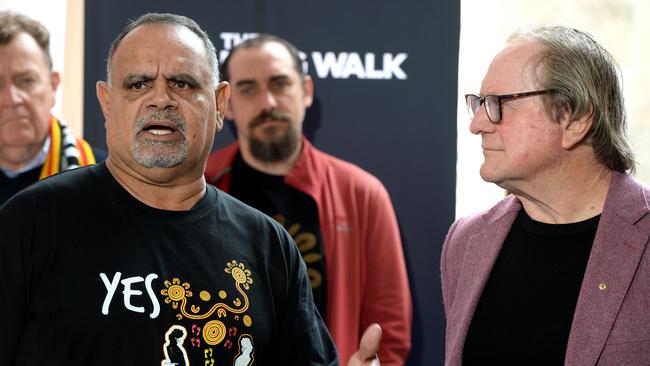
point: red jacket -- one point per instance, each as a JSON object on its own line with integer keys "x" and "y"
{"x": 366, "y": 274}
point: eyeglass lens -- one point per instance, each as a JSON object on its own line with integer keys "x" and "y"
{"x": 491, "y": 106}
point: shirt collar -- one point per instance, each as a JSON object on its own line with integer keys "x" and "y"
{"x": 39, "y": 159}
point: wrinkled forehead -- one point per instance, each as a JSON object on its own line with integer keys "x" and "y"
{"x": 160, "y": 44}
{"x": 516, "y": 68}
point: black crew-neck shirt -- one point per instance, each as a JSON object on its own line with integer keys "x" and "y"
{"x": 525, "y": 312}
{"x": 90, "y": 275}
{"x": 295, "y": 210}
{"x": 11, "y": 186}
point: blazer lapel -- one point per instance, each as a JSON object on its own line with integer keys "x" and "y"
{"x": 613, "y": 261}
{"x": 482, "y": 251}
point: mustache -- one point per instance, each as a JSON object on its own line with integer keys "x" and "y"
{"x": 272, "y": 114}
{"x": 165, "y": 115}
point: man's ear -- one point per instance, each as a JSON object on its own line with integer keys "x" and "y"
{"x": 229, "y": 113}
{"x": 55, "y": 80}
{"x": 308, "y": 87}
{"x": 222, "y": 96}
{"x": 103, "y": 95}
{"x": 574, "y": 131}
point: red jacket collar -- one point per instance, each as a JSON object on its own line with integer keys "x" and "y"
{"x": 306, "y": 175}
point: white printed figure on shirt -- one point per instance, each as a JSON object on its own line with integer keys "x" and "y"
{"x": 175, "y": 354}
{"x": 245, "y": 356}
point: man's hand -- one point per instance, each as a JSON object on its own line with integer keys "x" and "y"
{"x": 368, "y": 347}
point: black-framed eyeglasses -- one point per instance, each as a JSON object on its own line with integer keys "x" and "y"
{"x": 493, "y": 102}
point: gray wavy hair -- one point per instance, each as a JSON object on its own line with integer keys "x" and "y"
{"x": 587, "y": 81}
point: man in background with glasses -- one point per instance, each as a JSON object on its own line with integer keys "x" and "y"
{"x": 558, "y": 271}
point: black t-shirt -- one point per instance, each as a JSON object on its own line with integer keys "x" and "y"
{"x": 91, "y": 276}
{"x": 525, "y": 313}
{"x": 295, "y": 210}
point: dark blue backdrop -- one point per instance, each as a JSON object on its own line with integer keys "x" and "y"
{"x": 395, "y": 117}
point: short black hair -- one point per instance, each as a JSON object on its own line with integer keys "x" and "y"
{"x": 171, "y": 19}
{"x": 259, "y": 41}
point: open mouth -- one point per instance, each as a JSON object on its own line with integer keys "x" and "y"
{"x": 159, "y": 130}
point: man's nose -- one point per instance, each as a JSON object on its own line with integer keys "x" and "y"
{"x": 11, "y": 96}
{"x": 161, "y": 97}
{"x": 481, "y": 123}
{"x": 269, "y": 100}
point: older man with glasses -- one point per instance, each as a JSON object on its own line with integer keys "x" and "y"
{"x": 558, "y": 271}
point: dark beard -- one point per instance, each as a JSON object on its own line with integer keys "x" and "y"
{"x": 277, "y": 150}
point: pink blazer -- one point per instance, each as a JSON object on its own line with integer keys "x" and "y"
{"x": 611, "y": 324}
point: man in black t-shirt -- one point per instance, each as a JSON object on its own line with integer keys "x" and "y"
{"x": 557, "y": 272}
{"x": 136, "y": 261}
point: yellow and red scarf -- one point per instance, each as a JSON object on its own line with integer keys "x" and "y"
{"x": 66, "y": 150}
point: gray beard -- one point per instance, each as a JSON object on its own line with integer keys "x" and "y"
{"x": 159, "y": 154}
